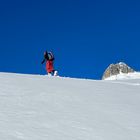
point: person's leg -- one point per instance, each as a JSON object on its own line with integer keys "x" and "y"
{"x": 49, "y": 67}
{"x": 55, "y": 73}
{"x": 49, "y": 74}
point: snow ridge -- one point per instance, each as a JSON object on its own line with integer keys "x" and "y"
{"x": 124, "y": 76}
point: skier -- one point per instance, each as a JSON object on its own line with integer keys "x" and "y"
{"x": 49, "y": 59}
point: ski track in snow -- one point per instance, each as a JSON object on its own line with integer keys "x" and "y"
{"x": 35, "y": 107}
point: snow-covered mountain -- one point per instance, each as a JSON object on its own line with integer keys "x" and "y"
{"x": 35, "y": 107}
{"x": 116, "y": 69}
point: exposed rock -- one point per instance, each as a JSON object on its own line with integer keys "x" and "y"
{"x": 115, "y": 69}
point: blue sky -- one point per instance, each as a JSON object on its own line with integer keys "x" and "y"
{"x": 84, "y": 35}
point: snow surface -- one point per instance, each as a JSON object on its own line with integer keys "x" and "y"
{"x": 124, "y": 76}
{"x": 35, "y": 107}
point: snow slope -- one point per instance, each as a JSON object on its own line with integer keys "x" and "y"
{"x": 34, "y": 107}
{"x": 124, "y": 76}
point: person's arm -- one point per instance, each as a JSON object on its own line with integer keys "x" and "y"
{"x": 53, "y": 59}
{"x": 46, "y": 57}
{"x": 43, "y": 61}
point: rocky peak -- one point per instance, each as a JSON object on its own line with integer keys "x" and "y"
{"x": 115, "y": 69}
